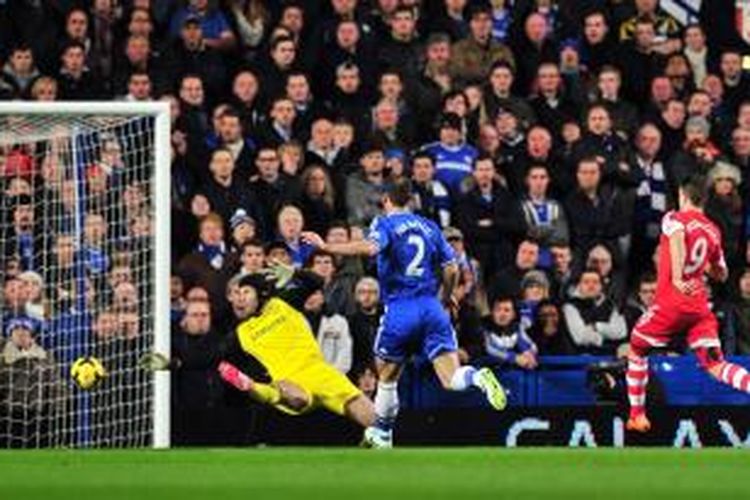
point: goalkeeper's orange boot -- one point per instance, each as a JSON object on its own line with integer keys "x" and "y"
{"x": 638, "y": 423}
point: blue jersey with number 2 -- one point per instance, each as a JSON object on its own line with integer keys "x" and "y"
{"x": 411, "y": 252}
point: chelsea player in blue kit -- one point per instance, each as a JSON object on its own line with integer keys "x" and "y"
{"x": 411, "y": 252}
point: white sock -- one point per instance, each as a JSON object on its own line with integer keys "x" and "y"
{"x": 463, "y": 378}
{"x": 386, "y": 405}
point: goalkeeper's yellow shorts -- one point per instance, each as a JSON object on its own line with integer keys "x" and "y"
{"x": 326, "y": 387}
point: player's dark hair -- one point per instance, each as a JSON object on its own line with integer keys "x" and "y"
{"x": 694, "y": 188}
{"x": 589, "y": 270}
{"x": 319, "y": 253}
{"x": 279, "y": 40}
{"x": 254, "y": 243}
{"x": 423, "y": 155}
{"x": 400, "y": 192}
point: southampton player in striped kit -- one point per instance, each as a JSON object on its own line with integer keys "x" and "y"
{"x": 689, "y": 248}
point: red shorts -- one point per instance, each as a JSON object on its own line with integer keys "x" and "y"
{"x": 662, "y": 323}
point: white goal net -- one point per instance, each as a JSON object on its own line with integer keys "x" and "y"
{"x": 83, "y": 261}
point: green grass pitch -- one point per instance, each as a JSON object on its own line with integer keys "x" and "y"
{"x": 353, "y": 474}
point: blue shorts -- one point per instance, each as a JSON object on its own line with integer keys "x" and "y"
{"x": 417, "y": 325}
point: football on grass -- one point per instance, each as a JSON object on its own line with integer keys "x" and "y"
{"x": 87, "y": 372}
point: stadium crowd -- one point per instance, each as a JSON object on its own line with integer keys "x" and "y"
{"x": 545, "y": 137}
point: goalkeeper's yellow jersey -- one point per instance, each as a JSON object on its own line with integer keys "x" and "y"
{"x": 280, "y": 338}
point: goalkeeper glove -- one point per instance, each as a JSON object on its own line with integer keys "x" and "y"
{"x": 279, "y": 272}
{"x": 153, "y": 361}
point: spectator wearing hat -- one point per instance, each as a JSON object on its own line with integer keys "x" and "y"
{"x": 697, "y": 154}
{"x": 364, "y": 189}
{"x": 431, "y": 197}
{"x": 593, "y": 320}
{"x": 454, "y": 158}
{"x": 724, "y": 207}
{"x": 474, "y": 55}
{"x": 212, "y": 21}
{"x": 535, "y": 287}
{"x": 545, "y": 217}
{"x": 490, "y": 218}
{"x": 243, "y": 228}
{"x": 505, "y": 340}
{"x": 30, "y": 385}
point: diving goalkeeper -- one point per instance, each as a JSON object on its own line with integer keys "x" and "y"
{"x": 274, "y": 333}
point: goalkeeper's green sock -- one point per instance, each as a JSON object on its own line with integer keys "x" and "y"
{"x": 265, "y": 393}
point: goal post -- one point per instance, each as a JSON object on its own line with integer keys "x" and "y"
{"x": 73, "y": 153}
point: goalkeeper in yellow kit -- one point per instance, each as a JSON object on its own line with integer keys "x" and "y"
{"x": 274, "y": 333}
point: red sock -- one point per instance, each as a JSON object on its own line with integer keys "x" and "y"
{"x": 736, "y": 376}
{"x": 232, "y": 375}
{"x": 637, "y": 379}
